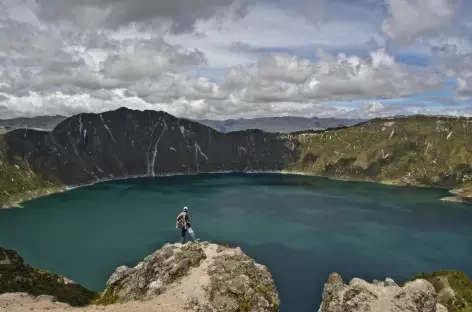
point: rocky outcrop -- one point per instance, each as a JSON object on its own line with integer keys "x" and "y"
{"x": 454, "y": 289}
{"x": 204, "y": 277}
{"x": 199, "y": 277}
{"x": 461, "y": 195}
{"x": 16, "y": 276}
{"x": 360, "y": 296}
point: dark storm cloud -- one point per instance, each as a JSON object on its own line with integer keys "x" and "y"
{"x": 114, "y": 13}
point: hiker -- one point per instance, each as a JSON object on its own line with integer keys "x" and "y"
{"x": 183, "y": 222}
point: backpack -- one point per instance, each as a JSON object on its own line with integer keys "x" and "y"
{"x": 181, "y": 220}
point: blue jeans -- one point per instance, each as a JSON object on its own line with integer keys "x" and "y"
{"x": 183, "y": 233}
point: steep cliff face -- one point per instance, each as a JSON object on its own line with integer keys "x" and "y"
{"x": 124, "y": 143}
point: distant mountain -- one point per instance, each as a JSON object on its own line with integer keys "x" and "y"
{"x": 87, "y": 148}
{"x": 40, "y": 123}
{"x": 268, "y": 124}
{"x": 278, "y": 124}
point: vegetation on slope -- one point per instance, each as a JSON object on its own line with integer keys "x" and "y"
{"x": 417, "y": 150}
{"x": 16, "y": 276}
{"x": 19, "y": 182}
{"x": 454, "y": 289}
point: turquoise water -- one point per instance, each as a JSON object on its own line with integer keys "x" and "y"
{"x": 302, "y": 228}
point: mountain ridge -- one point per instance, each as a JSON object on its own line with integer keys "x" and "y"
{"x": 88, "y": 148}
{"x": 282, "y": 124}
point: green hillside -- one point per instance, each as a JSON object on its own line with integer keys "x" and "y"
{"x": 454, "y": 289}
{"x": 19, "y": 182}
{"x": 417, "y": 150}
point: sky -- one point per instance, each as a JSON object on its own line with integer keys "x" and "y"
{"x": 221, "y": 59}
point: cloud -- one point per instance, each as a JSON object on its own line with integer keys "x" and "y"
{"x": 149, "y": 60}
{"x": 461, "y": 68}
{"x": 410, "y": 18}
{"x": 181, "y": 15}
{"x": 268, "y": 28}
{"x": 93, "y": 67}
{"x": 457, "y": 67}
{"x": 342, "y": 78}
{"x": 74, "y": 61}
{"x": 277, "y": 83}
{"x": 71, "y": 56}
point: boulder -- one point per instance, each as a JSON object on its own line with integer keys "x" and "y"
{"x": 360, "y": 296}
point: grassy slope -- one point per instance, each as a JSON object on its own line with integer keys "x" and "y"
{"x": 18, "y": 183}
{"x": 415, "y": 150}
{"x": 460, "y": 284}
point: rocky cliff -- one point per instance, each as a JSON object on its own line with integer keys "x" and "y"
{"x": 418, "y": 295}
{"x": 200, "y": 277}
{"x": 205, "y": 277}
{"x": 454, "y": 289}
{"x": 83, "y": 149}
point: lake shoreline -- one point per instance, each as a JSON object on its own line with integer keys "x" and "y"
{"x": 44, "y": 192}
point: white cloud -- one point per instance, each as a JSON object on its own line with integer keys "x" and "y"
{"x": 410, "y": 18}
{"x": 342, "y": 78}
{"x": 91, "y": 63}
{"x": 275, "y": 83}
{"x": 458, "y": 67}
{"x": 73, "y": 61}
{"x": 72, "y": 69}
{"x": 267, "y": 27}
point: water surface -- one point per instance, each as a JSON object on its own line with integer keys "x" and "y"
{"x": 302, "y": 228}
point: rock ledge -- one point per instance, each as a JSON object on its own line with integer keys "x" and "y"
{"x": 203, "y": 276}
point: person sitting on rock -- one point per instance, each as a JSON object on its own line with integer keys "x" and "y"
{"x": 183, "y": 222}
